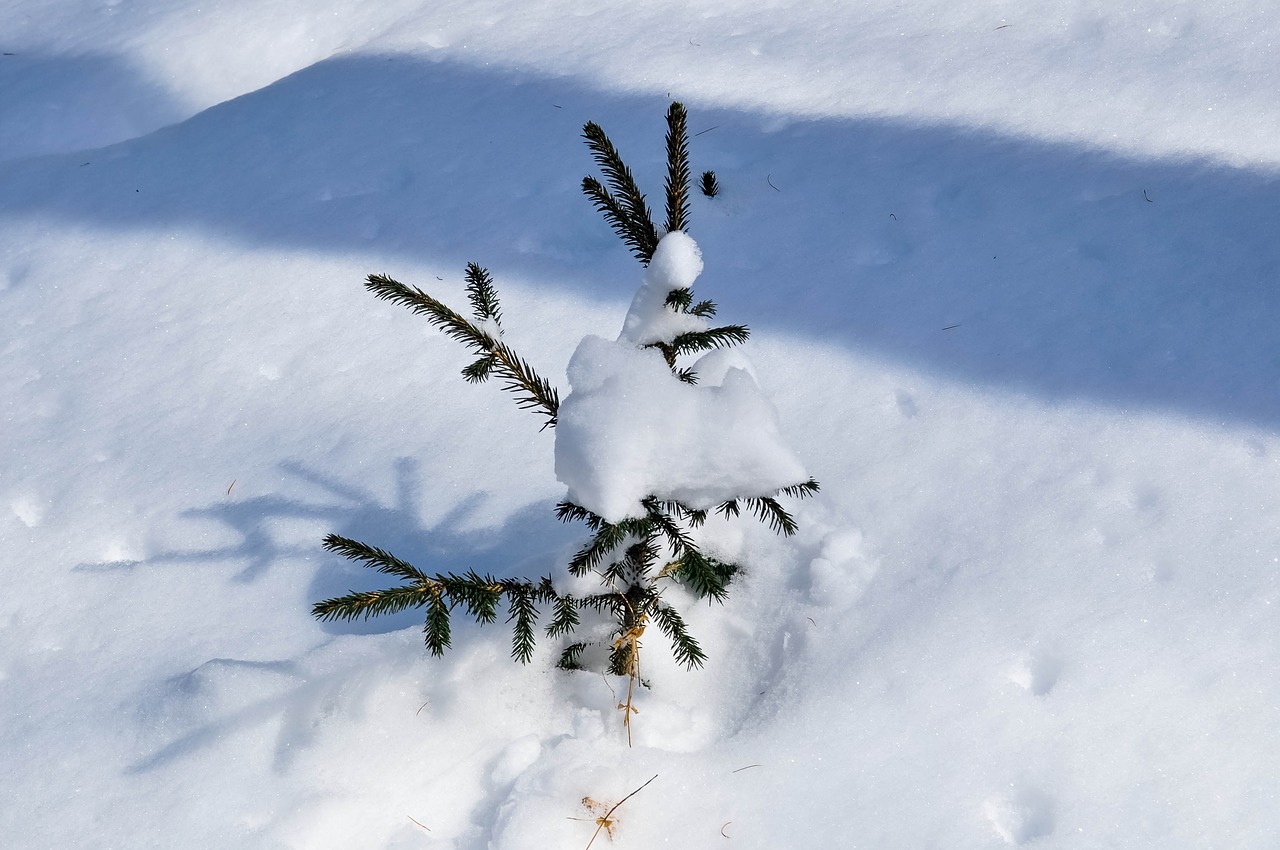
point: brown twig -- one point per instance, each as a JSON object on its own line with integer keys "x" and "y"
{"x": 418, "y": 822}
{"x": 605, "y": 821}
{"x": 748, "y": 767}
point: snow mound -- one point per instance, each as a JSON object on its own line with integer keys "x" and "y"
{"x": 629, "y": 428}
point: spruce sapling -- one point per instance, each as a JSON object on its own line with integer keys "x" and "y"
{"x": 634, "y": 555}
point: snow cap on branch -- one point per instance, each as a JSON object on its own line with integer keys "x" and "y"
{"x": 629, "y": 428}
{"x": 676, "y": 264}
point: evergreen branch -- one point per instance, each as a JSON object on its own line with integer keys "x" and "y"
{"x": 767, "y": 510}
{"x": 480, "y": 595}
{"x": 482, "y": 294}
{"x": 617, "y": 174}
{"x": 685, "y": 648}
{"x": 678, "y": 538}
{"x": 803, "y": 490}
{"x": 371, "y": 556}
{"x": 687, "y": 375}
{"x": 452, "y": 324}
{"x": 669, "y": 353}
{"x": 728, "y": 509}
{"x": 721, "y": 337}
{"x": 621, "y": 658}
{"x": 564, "y": 617}
{"x": 569, "y": 656}
{"x": 524, "y": 613}
{"x": 569, "y": 512}
{"x": 706, "y": 577}
{"x": 479, "y": 371}
{"x": 643, "y": 554}
{"x": 703, "y": 309}
{"x": 677, "y": 184}
{"x": 619, "y": 219}
{"x": 693, "y": 516}
{"x": 610, "y": 161}
{"x": 614, "y": 574}
{"x": 436, "y": 628}
{"x": 607, "y": 539}
{"x": 532, "y": 391}
{"x": 679, "y": 299}
{"x": 641, "y": 233}
{"x": 372, "y": 603}
{"x": 545, "y": 591}
{"x": 709, "y": 185}
{"x": 614, "y": 603}
{"x": 634, "y": 564}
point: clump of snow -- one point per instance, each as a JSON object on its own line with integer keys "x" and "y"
{"x": 676, "y": 264}
{"x": 629, "y": 428}
{"x": 490, "y": 328}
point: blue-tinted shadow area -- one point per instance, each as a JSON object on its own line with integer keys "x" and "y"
{"x": 1049, "y": 269}
{"x": 56, "y": 104}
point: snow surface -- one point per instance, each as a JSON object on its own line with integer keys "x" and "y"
{"x": 1011, "y": 273}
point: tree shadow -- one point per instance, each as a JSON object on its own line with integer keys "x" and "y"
{"x": 57, "y": 104}
{"x": 1050, "y": 269}
{"x": 226, "y": 696}
{"x": 527, "y": 543}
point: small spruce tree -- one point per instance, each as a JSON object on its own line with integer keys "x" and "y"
{"x": 634, "y": 558}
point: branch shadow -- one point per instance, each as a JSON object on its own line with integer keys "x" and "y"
{"x": 225, "y": 696}
{"x": 527, "y": 543}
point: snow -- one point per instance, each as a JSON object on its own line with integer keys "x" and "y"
{"x": 676, "y": 264}
{"x": 1011, "y": 277}
{"x": 630, "y": 429}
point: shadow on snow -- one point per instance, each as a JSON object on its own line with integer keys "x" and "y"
{"x": 1053, "y": 270}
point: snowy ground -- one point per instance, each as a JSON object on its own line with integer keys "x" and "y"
{"x": 1012, "y": 277}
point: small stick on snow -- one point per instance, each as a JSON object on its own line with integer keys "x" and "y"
{"x": 1144, "y": 194}
{"x": 418, "y": 822}
{"x": 232, "y": 484}
{"x": 607, "y": 818}
{"x": 708, "y": 130}
{"x": 768, "y": 178}
{"x": 722, "y": 829}
{"x": 748, "y": 767}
